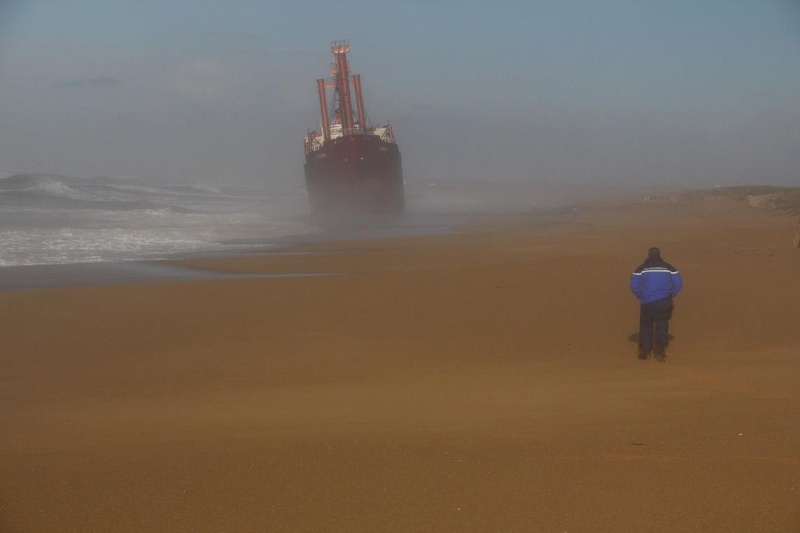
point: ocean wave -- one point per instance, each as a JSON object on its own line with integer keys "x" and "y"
{"x": 21, "y": 185}
{"x": 60, "y": 192}
{"x": 49, "y": 219}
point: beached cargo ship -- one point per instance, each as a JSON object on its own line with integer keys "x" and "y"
{"x": 351, "y": 166}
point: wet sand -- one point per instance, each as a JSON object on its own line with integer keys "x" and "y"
{"x": 483, "y": 381}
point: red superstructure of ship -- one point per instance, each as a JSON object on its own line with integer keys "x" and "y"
{"x": 351, "y": 166}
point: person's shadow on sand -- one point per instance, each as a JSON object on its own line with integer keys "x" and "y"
{"x": 634, "y": 337}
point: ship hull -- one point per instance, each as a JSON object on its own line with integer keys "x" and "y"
{"x": 355, "y": 174}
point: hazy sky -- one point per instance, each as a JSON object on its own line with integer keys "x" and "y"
{"x": 676, "y": 92}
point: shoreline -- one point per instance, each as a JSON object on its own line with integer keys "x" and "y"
{"x": 185, "y": 266}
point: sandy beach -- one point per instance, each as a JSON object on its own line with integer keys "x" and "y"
{"x": 478, "y": 381}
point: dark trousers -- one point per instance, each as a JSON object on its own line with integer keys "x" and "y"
{"x": 654, "y": 324}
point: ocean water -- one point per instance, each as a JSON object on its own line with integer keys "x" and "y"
{"x": 49, "y": 219}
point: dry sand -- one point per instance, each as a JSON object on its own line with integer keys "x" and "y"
{"x": 483, "y": 381}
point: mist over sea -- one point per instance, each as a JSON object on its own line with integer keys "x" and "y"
{"x": 48, "y": 219}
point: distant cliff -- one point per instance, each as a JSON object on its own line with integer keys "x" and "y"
{"x": 782, "y": 199}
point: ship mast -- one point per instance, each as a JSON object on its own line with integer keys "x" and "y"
{"x": 323, "y": 107}
{"x": 362, "y": 117}
{"x": 340, "y": 49}
{"x": 341, "y": 82}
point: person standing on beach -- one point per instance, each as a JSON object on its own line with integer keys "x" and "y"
{"x": 655, "y": 282}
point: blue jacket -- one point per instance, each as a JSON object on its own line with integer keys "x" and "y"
{"x": 654, "y": 280}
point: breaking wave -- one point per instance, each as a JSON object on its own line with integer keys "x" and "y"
{"x": 98, "y": 193}
{"x": 50, "y": 219}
